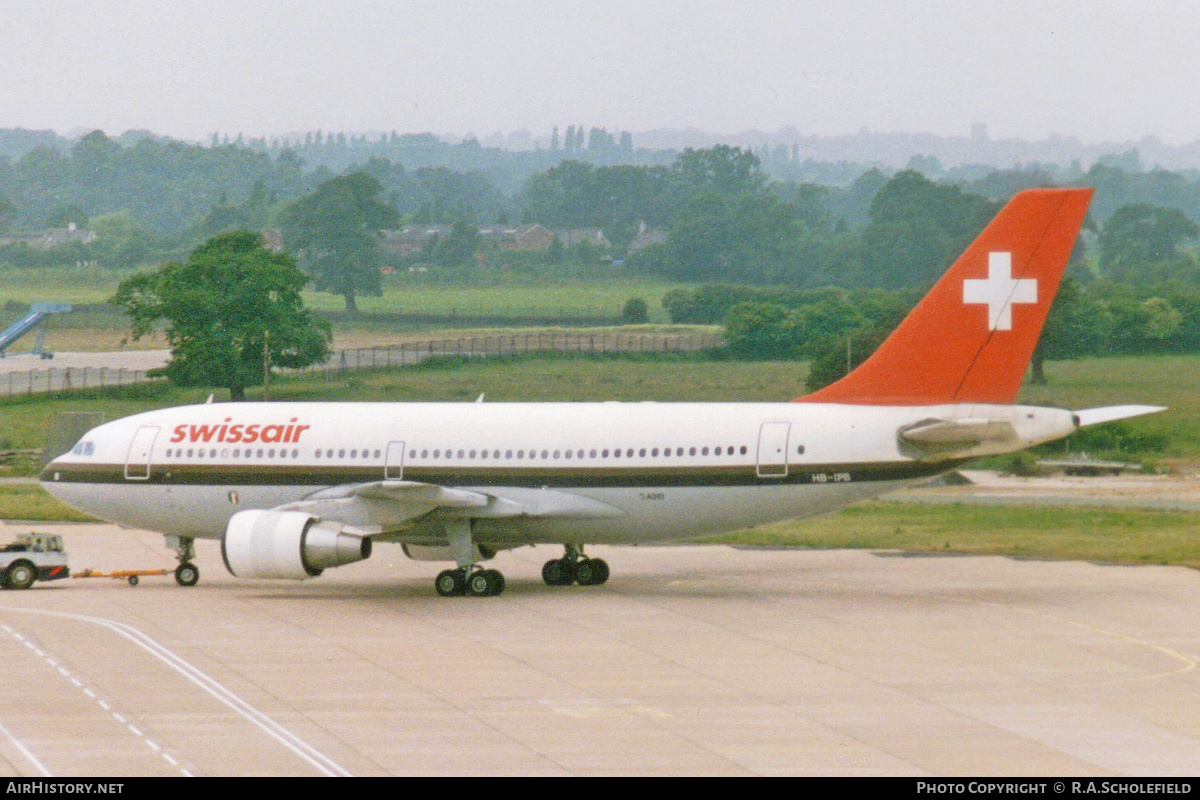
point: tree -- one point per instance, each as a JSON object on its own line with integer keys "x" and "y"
{"x": 7, "y": 212}
{"x": 337, "y": 228}
{"x": 635, "y": 312}
{"x": 1078, "y": 325}
{"x": 229, "y": 300}
{"x": 762, "y": 331}
{"x": 458, "y": 247}
{"x": 917, "y": 228}
{"x": 727, "y": 171}
{"x": 1141, "y": 242}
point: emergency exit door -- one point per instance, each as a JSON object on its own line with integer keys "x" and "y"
{"x": 393, "y": 468}
{"x": 772, "y": 449}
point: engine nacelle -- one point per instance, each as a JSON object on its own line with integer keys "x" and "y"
{"x": 424, "y": 552}
{"x": 287, "y": 544}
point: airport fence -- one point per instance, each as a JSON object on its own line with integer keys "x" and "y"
{"x": 404, "y": 354}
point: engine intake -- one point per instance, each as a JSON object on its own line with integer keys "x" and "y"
{"x": 287, "y": 544}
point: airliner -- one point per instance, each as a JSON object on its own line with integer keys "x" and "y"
{"x": 292, "y": 489}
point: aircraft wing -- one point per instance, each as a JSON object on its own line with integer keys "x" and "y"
{"x": 391, "y": 504}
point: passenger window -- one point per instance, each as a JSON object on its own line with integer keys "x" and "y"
{"x": 557, "y": 454}
{"x": 743, "y": 450}
{"x": 704, "y": 451}
{"x": 800, "y": 450}
{"x": 508, "y": 453}
{"x": 472, "y": 454}
{"x": 545, "y": 454}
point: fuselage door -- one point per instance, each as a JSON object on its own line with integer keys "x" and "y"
{"x": 772, "y": 449}
{"x": 393, "y": 468}
{"x": 137, "y": 462}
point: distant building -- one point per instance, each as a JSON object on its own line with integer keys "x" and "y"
{"x": 593, "y": 236}
{"x": 646, "y": 237}
{"x": 415, "y": 238}
{"x": 272, "y": 239}
{"x": 412, "y": 238}
{"x": 51, "y": 237}
{"x": 524, "y": 237}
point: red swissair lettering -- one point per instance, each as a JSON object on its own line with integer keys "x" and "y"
{"x": 233, "y": 434}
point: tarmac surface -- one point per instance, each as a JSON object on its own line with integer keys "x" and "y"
{"x": 1131, "y": 490}
{"x": 691, "y": 660}
{"x": 119, "y": 359}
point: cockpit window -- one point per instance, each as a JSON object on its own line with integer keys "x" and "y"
{"x": 84, "y": 448}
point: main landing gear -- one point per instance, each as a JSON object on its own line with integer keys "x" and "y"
{"x": 187, "y": 573}
{"x": 575, "y": 567}
{"x": 468, "y": 578}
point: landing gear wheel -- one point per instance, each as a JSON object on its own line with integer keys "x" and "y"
{"x": 585, "y": 573}
{"x": 591, "y": 572}
{"x": 500, "y": 583}
{"x": 186, "y": 574}
{"x": 450, "y": 583}
{"x": 600, "y": 568}
{"x": 20, "y": 576}
{"x": 485, "y": 583}
{"x": 558, "y": 572}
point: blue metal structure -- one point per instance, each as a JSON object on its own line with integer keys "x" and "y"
{"x": 38, "y": 314}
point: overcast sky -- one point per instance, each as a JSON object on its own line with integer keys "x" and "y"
{"x": 1100, "y": 69}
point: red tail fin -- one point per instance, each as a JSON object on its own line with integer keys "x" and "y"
{"x": 970, "y": 338}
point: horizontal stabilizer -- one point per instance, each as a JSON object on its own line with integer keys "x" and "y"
{"x": 1095, "y": 416}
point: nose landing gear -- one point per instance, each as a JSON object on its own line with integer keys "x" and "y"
{"x": 187, "y": 573}
{"x": 575, "y": 567}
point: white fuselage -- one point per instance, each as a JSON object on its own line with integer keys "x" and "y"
{"x": 666, "y": 470}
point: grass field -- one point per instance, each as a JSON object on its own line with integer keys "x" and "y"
{"x": 1128, "y": 537}
{"x": 104, "y": 330}
{"x": 510, "y": 296}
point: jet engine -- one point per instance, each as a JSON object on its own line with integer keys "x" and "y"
{"x": 287, "y": 544}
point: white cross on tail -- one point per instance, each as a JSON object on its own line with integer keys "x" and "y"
{"x": 1000, "y": 291}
